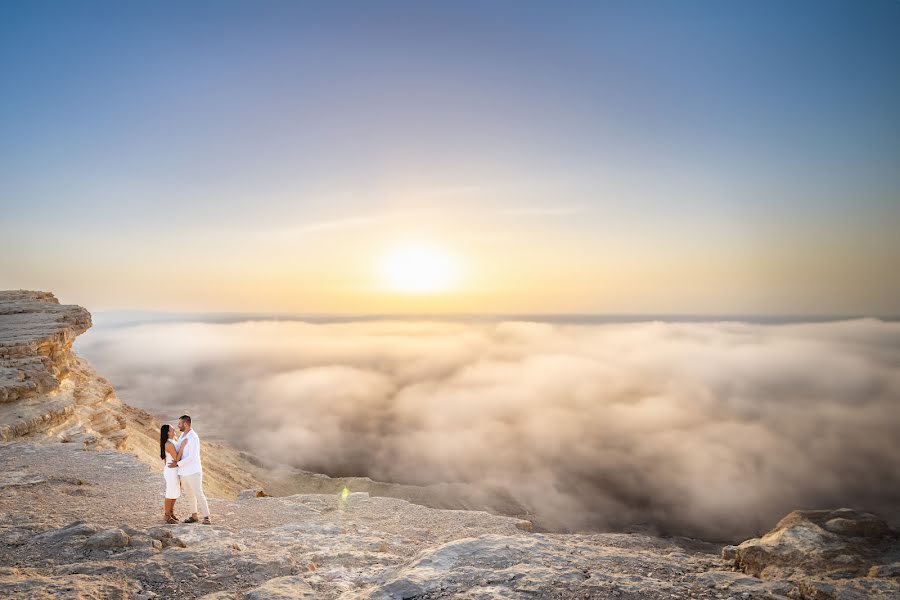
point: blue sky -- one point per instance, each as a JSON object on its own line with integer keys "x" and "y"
{"x": 753, "y": 146}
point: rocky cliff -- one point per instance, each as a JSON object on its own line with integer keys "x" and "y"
{"x": 49, "y": 394}
{"x": 81, "y": 503}
{"x": 37, "y": 384}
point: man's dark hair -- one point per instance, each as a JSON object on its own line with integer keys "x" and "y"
{"x": 186, "y": 419}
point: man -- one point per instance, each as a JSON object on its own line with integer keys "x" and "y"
{"x": 190, "y": 470}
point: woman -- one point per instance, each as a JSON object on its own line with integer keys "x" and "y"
{"x": 168, "y": 451}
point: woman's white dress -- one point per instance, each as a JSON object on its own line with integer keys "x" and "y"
{"x": 173, "y": 486}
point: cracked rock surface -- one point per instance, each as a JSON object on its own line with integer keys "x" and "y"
{"x": 87, "y": 524}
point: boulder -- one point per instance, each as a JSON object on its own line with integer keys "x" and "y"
{"x": 839, "y": 544}
{"x": 108, "y": 540}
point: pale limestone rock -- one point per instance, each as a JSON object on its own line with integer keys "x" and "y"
{"x": 27, "y": 583}
{"x": 76, "y": 529}
{"x": 38, "y": 370}
{"x": 282, "y": 588}
{"x": 165, "y": 536}
{"x": 841, "y": 542}
{"x": 36, "y": 335}
{"x": 108, "y": 540}
{"x": 830, "y": 554}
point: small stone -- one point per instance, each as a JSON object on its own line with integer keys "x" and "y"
{"x": 252, "y": 493}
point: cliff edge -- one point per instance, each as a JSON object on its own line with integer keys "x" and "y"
{"x": 36, "y": 360}
{"x": 48, "y": 394}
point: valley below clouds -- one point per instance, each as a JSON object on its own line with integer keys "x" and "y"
{"x": 713, "y": 430}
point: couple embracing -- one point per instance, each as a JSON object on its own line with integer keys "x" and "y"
{"x": 183, "y": 469}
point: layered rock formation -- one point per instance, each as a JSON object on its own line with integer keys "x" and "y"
{"x": 49, "y": 394}
{"x": 36, "y": 335}
{"x": 81, "y": 501}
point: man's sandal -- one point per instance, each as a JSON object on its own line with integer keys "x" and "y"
{"x": 206, "y": 521}
{"x": 191, "y": 519}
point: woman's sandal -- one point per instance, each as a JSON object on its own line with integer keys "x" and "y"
{"x": 171, "y": 519}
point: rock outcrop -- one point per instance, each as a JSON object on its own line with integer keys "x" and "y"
{"x": 840, "y": 553}
{"x": 44, "y": 387}
{"x": 49, "y": 394}
{"x": 36, "y": 335}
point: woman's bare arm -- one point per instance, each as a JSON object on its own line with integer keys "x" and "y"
{"x": 170, "y": 449}
{"x": 177, "y": 456}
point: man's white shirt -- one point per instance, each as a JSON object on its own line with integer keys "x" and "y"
{"x": 190, "y": 460}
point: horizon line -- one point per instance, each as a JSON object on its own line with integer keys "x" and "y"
{"x": 611, "y": 317}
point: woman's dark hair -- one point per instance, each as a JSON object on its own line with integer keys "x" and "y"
{"x": 163, "y": 438}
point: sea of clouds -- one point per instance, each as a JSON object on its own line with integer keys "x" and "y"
{"x": 714, "y": 430}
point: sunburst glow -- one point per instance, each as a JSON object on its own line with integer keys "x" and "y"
{"x": 419, "y": 268}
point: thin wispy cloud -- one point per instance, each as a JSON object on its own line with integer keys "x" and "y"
{"x": 542, "y": 211}
{"x": 342, "y": 224}
{"x": 332, "y": 225}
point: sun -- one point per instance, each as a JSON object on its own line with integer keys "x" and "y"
{"x": 419, "y": 268}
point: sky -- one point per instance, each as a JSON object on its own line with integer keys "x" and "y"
{"x": 598, "y": 157}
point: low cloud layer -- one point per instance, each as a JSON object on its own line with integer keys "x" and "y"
{"x": 708, "y": 429}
